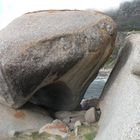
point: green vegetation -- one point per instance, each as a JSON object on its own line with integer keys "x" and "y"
{"x": 85, "y": 132}
{"x": 33, "y": 136}
{"x": 89, "y": 136}
{"x": 113, "y": 58}
{"x": 110, "y": 63}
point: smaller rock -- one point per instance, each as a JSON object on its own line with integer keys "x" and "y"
{"x": 57, "y": 127}
{"x": 90, "y": 115}
{"x": 12, "y": 133}
{"x": 76, "y": 125}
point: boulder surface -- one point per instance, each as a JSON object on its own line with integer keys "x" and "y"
{"x": 28, "y": 118}
{"x": 52, "y": 56}
{"x": 120, "y": 100}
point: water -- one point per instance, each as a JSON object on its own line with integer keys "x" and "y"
{"x": 96, "y": 87}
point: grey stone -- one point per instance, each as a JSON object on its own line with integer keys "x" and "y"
{"x": 14, "y": 121}
{"x": 120, "y": 100}
{"x": 90, "y": 115}
{"x": 77, "y": 124}
{"x": 51, "y": 57}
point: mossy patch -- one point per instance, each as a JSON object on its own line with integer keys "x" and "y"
{"x": 85, "y": 132}
{"x": 89, "y": 136}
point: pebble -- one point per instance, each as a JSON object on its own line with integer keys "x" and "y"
{"x": 90, "y": 115}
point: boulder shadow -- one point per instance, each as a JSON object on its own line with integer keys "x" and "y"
{"x": 55, "y": 96}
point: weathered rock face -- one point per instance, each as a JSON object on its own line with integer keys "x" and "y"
{"x": 120, "y": 100}
{"x": 29, "y": 118}
{"x": 54, "y": 55}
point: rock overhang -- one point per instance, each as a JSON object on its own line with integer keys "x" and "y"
{"x": 41, "y": 48}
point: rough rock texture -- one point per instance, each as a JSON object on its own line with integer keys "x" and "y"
{"x": 31, "y": 117}
{"x": 55, "y": 54}
{"x": 120, "y": 100}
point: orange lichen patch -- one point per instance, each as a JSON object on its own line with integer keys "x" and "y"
{"x": 19, "y": 115}
{"x": 60, "y": 127}
{"x": 55, "y": 128}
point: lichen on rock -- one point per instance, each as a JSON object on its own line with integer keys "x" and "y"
{"x": 51, "y": 57}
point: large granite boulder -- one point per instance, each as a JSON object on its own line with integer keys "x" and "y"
{"x": 53, "y": 55}
{"x": 120, "y": 100}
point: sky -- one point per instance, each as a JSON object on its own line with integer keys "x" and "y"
{"x": 10, "y": 9}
